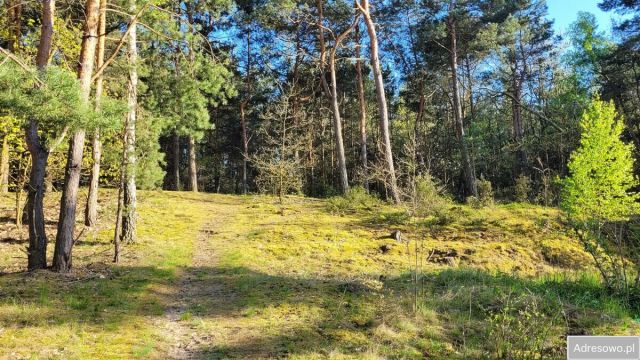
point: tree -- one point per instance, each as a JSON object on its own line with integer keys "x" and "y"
{"x": 68, "y": 202}
{"x": 467, "y": 166}
{"x": 600, "y": 187}
{"x": 450, "y": 39}
{"x": 279, "y": 170}
{"x": 331, "y": 88}
{"x": 130, "y": 199}
{"x": 526, "y": 41}
{"x": 91, "y": 209}
{"x": 362, "y": 103}
{"x": 39, "y": 151}
{"x": 629, "y": 28}
{"x": 601, "y": 181}
{"x": 363, "y": 6}
{"x": 589, "y": 48}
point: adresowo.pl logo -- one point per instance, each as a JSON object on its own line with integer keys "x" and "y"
{"x": 603, "y": 347}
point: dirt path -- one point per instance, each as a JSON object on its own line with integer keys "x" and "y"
{"x": 194, "y": 286}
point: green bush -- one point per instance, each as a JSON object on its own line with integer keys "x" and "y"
{"x": 429, "y": 200}
{"x": 485, "y": 195}
{"x": 522, "y": 189}
{"x": 521, "y": 326}
{"x": 357, "y": 199}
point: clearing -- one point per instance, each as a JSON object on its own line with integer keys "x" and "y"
{"x": 221, "y": 276}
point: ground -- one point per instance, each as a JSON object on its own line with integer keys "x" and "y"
{"x": 221, "y": 276}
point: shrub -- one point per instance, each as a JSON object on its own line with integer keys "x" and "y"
{"x": 429, "y": 199}
{"x": 522, "y": 188}
{"x": 474, "y": 202}
{"x": 485, "y": 194}
{"x": 355, "y": 200}
{"x": 520, "y": 328}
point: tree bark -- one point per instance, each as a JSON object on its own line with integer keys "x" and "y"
{"x": 37, "y": 251}
{"x": 332, "y": 94}
{"x": 129, "y": 220}
{"x": 245, "y": 146}
{"x": 363, "y": 113}
{"x": 518, "y": 128}
{"x": 14, "y": 15}
{"x": 467, "y": 167}
{"x": 193, "y": 169}
{"x": 91, "y": 210}
{"x": 4, "y": 166}
{"x": 20, "y": 182}
{"x": 295, "y": 111}
{"x": 243, "y": 118}
{"x": 67, "y": 218}
{"x": 176, "y": 161}
{"x": 382, "y": 100}
{"x": 117, "y": 233}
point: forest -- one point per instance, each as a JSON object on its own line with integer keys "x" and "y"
{"x": 418, "y": 179}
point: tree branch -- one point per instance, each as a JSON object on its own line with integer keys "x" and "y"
{"x": 15, "y": 59}
{"x": 119, "y": 46}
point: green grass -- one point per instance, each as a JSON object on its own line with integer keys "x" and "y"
{"x": 251, "y": 283}
{"x": 102, "y": 310}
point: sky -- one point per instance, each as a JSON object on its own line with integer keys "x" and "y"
{"x": 565, "y": 12}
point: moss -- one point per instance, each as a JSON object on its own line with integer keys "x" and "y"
{"x": 312, "y": 284}
{"x": 564, "y": 253}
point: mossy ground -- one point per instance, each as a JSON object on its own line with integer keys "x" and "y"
{"x": 217, "y": 276}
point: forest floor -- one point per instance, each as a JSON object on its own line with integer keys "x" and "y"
{"x": 221, "y": 276}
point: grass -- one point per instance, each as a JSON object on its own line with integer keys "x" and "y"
{"x": 247, "y": 282}
{"x": 100, "y": 310}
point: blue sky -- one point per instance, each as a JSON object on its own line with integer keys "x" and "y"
{"x": 565, "y": 12}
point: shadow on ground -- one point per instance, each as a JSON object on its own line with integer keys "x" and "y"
{"x": 241, "y": 313}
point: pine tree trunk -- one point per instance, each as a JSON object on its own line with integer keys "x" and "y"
{"x": 245, "y": 147}
{"x": 91, "y": 210}
{"x": 129, "y": 220}
{"x": 467, "y": 167}
{"x": 176, "y": 161}
{"x": 337, "y": 126}
{"x": 67, "y": 218}
{"x": 193, "y": 169}
{"x": 243, "y": 117}
{"x": 382, "y": 102}
{"x": 20, "y": 182}
{"x": 295, "y": 80}
{"x": 37, "y": 251}
{"x": 4, "y": 166}
{"x": 14, "y": 16}
{"x": 117, "y": 234}
{"x": 363, "y": 113}
{"x": 331, "y": 91}
{"x": 518, "y": 128}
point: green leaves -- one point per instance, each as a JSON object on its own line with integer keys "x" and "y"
{"x": 601, "y": 181}
{"x": 184, "y": 96}
{"x": 52, "y": 98}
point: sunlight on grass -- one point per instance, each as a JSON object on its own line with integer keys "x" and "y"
{"x": 315, "y": 283}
